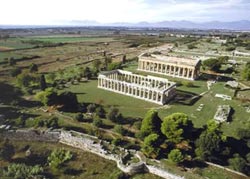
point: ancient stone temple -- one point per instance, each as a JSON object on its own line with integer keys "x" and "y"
{"x": 149, "y": 88}
{"x": 169, "y": 65}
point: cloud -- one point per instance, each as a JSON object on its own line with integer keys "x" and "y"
{"x": 51, "y": 11}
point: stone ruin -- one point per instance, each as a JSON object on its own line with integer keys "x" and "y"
{"x": 222, "y": 113}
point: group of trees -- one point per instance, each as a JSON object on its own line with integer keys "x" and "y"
{"x": 246, "y": 72}
{"x": 176, "y": 138}
{"x": 215, "y": 63}
{"x": 163, "y": 136}
{"x": 66, "y": 100}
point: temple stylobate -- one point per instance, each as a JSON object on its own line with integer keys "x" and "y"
{"x": 149, "y": 88}
{"x": 168, "y": 65}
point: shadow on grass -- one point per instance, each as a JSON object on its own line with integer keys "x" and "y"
{"x": 73, "y": 172}
{"x": 73, "y": 128}
{"x": 185, "y": 98}
{"x": 206, "y": 76}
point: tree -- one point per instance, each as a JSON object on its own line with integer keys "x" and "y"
{"x": 7, "y": 151}
{"x": 87, "y": 73}
{"x": 79, "y": 117}
{"x": 151, "y": 123}
{"x": 114, "y": 66}
{"x": 191, "y": 46}
{"x": 207, "y": 145}
{"x": 96, "y": 64}
{"x": 15, "y": 71}
{"x": 48, "y": 97}
{"x": 33, "y": 68}
{"x": 176, "y": 127}
{"x": 238, "y": 163}
{"x": 119, "y": 129}
{"x": 68, "y": 100}
{"x": 107, "y": 60}
{"x": 150, "y": 145}
{"x": 12, "y": 61}
{"x": 97, "y": 122}
{"x": 21, "y": 171}
{"x": 114, "y": 115}
{"x": 100, "y": 112}
{"x": 91, "y": 108}
{"x": 24, "y": 79}
{"x": 43, "y": 84}
{"x": 52, "y": 123}
{"x": 124, "y": 59}
{"x": 245, "y": 74}
{"x": 58, "y": 157}
{"x": 176, "y": 156}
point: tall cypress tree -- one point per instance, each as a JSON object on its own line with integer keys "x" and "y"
{"x": 43, "y": 84}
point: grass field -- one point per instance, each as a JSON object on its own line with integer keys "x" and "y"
{"x": 129, "y": 106}
{"x": 13, "y": 43}
{"x": 69, "y": 39}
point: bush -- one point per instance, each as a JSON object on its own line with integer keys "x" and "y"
{"x": 175, "y": 156}
{"x": 91, "y": 108}
{"x": 116, "y": 141}
{"x": 79, "y": 117}
{"x": 58, "y": 157}
{"x": 7, "y": 151}
{"x": 114, "y": 66}
{"x": 119, "y": 129}
{"x": 97, "y": 122}
{"x": 114, "y": 115}
{"x": 100, "y": 112}
{"x": 19, "y": 171}
{"x": 191, "y": 46}
{"x": 231, "y": 48}
{"x": 15, "y": 71}
{"x": 238, "y": 163}
{"x": 188, "y": 83}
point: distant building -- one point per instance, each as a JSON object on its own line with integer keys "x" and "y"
{"x": 185, "y": 68}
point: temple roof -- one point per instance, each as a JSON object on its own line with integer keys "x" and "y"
{"x": 172, "y": 60}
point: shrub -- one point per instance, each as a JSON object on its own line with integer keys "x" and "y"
{"x": 15, "y": 71}
{"x": 79, "y": 117}
{"x": 188, "y": 83}
{"x": 231, "y": 48}
{"x": 19, "y": 171}
{"x": 238, "y": 163}
{"x": 100, "y": 112}
{"x": 97, "y": 122}
{"x": 58, "y": 157}
{"x": 175, "y": 156}
{"x": 119, "y": 129}
{"x": 91, "y": 108}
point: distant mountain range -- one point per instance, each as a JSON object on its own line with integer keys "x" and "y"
{"x": 243, "y": 25}
{"x": 234, "y": 25}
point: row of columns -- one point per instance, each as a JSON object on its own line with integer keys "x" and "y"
{"x": 168, "y": 69}
{"x": 131, "y": 90}
{"x": 140, "y": 80}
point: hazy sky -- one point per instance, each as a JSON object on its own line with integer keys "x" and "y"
{"x": 40, "y": 12}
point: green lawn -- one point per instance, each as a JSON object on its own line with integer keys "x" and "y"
{"x": 129, "y": 106}
{"x": 14, "y": 43}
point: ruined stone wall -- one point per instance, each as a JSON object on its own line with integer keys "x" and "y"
{"x": 88, "y": 143}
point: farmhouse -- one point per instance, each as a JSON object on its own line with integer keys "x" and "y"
{"x": 149, "y": 88}
{"x": 169, "y": 65}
